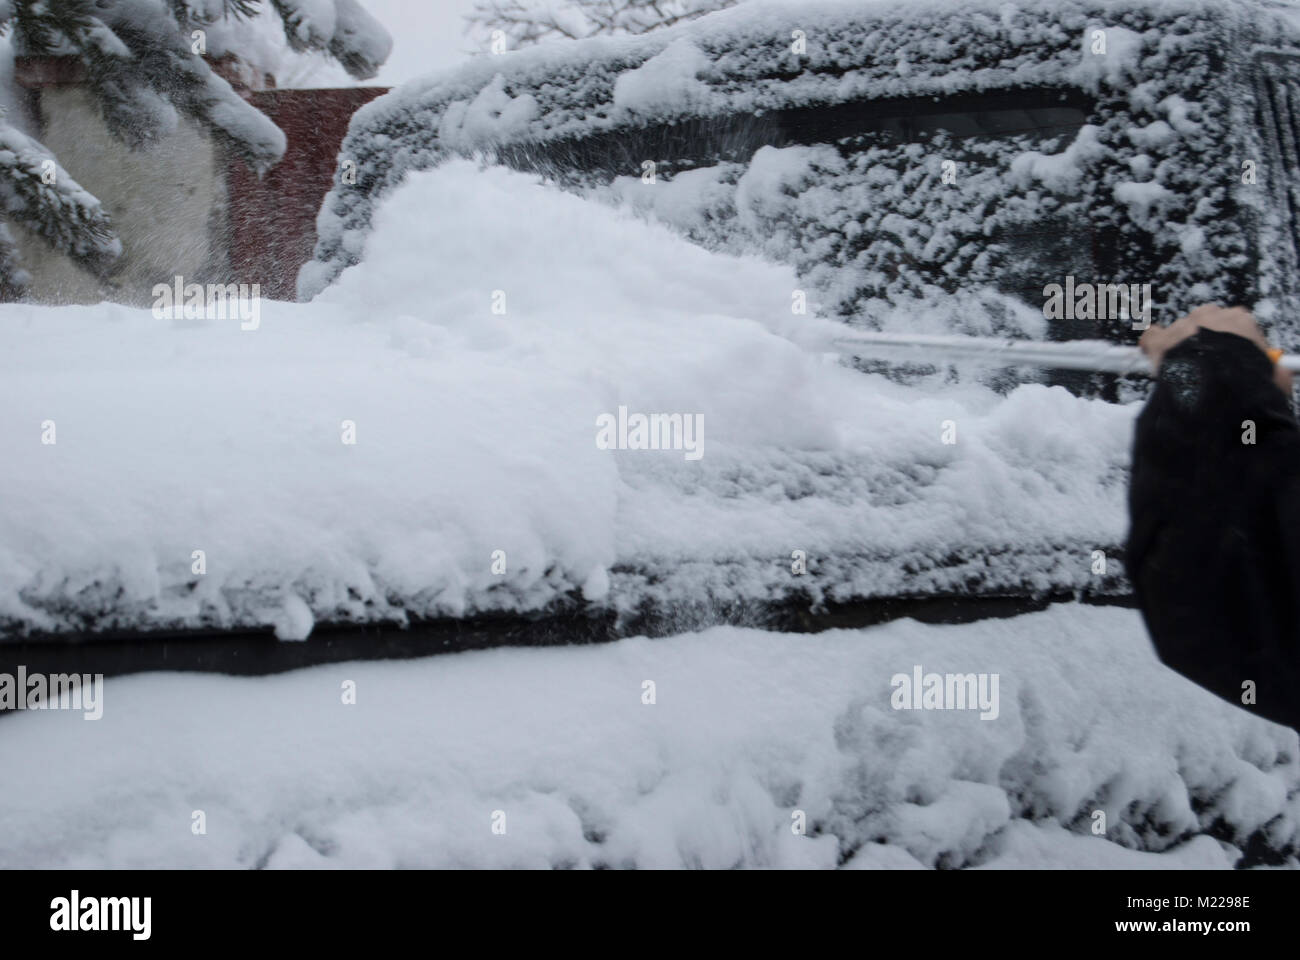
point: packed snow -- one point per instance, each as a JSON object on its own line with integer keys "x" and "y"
{"x": 1098, "y": 757}
{"x": 476, "y": 432}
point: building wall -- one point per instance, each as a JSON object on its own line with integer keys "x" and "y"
{"x": 168, "y": 203}
{"x": 182, "y": 205}
{"x": 273, "y": 218}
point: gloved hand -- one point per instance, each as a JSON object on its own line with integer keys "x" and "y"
{"x": 1157, "y": 341}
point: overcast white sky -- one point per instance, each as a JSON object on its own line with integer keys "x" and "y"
{"x": 427, "y": 35}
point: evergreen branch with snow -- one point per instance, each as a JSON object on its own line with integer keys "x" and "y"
{"x": 343, "y": 28}
{"x": 146, "y": 71}
{"x": 142, "y": 92}
{"x": 36, "y": 192}
{"x": 13, "y": 278}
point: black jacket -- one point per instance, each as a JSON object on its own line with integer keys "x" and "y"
{"x": 1214, "y": 544}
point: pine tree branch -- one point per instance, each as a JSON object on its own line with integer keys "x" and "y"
{"x": 39, "y": 194}
{"x": 144, "y": 74}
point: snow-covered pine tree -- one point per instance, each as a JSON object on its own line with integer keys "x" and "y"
{"x": 144, "y": 65}
{"x": 531, "y": 21}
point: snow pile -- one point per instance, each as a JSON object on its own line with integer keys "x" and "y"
{"x": 872, "y": 222}
{"x": 1110, "y": 55}
{"x": 749, "y": 733}
{"x": 476, "y": 432}
{"x": 492, "y": 116}
{"x": 666, "y": 82}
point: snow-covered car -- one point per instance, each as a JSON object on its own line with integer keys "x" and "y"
{"x": 917, "y": 166}
{"x": 899, "y": 152}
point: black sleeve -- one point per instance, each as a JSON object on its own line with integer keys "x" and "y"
{"x": 1214, "y": 505}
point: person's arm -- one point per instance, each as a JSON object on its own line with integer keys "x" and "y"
{"x": 1214, "y": 545}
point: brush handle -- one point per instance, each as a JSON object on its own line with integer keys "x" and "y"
{"x": 1093, "y": 355}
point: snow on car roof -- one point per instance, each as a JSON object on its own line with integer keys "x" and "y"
{"x": 744, "y": 60}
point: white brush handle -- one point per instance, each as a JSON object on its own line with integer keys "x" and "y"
{"x": 1094, "y": 355}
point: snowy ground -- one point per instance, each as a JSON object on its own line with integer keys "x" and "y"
{"x": 475, "y": 432}
{"x": 747, "y": 728}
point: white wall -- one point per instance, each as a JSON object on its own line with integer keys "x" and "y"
{"x": 167, "y": 202}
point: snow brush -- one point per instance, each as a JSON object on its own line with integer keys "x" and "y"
{"x": 1096, "y": 356}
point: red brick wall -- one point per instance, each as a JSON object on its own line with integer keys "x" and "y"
{"x": 273, "y": 220}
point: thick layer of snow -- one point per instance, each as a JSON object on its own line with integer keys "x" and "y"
{"x": 746, "y": 729}
{"x": 667, "y": 81}
{"x": 896, "y": 230}
{"x": 476, "y": 432}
